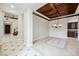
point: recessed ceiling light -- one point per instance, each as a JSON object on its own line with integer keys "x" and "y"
{"x": 11, "y": 6}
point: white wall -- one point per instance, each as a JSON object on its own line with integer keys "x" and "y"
{"x": 43, "y": 28}
{"x": 72, "y": 19}
{"x": 61, "y": 32}
{"x": 40, "y": 27}
{"x": 1, "y": 25}
{"x": 58, "y": 32}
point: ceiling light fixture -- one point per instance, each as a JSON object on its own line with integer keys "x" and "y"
{"x": 57, "y": 25}
{"x": 12, "y": 6}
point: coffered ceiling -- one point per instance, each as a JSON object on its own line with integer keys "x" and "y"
{"x": 53, "y": 10}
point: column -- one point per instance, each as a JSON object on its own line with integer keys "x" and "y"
{"x": 28, "y": 28}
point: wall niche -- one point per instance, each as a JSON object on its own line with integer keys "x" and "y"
{"x": 7, "y": 29}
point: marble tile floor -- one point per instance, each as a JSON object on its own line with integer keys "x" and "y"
{"x": 29, "y": 52}
{"x": 51, "y": 46}
{"x": 71, "y": 47}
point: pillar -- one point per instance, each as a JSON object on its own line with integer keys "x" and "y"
{"x": 28, "y": 28}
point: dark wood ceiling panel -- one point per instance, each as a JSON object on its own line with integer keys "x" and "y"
{"x": 52, "y": 10}
{"x": 66, "y": 7}
{"x": 45, "y": 8}
{"x": 53, "y": 15}
{"x": 67, "y": 12}
{"x": 60, "y": 4}
{"x": 50, "y": 13}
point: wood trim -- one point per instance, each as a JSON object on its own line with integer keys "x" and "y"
{"x": 40, "y": 16}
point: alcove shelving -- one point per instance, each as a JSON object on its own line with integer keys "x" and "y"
{"x": 72, "y": 29}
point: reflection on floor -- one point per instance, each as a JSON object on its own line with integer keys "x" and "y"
{"x": 50, "y": 46}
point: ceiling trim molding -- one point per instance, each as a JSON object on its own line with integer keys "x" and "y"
{"x": 40, "y": 16}
{"x": 56, "y": 17}
{"x": 64, "y": 17}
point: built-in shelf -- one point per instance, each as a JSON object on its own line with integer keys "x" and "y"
{"x": 72, "y": 30}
